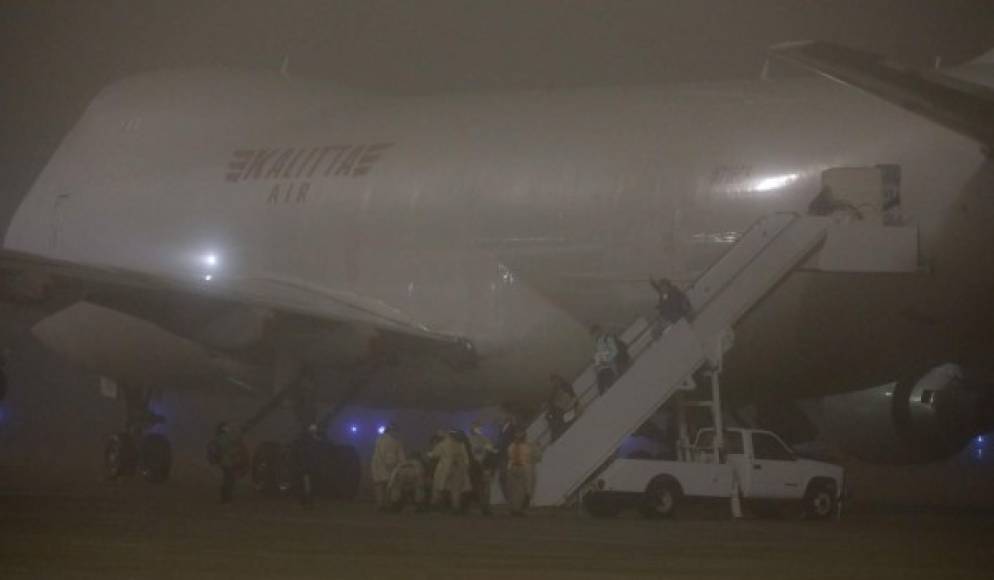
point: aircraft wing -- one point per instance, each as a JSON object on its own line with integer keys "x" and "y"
{"x": 964, "y": 107}
{"x": 281, "y": 295}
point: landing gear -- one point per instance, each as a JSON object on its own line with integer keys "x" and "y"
{"x": 275, "y": 468}
{"x": 155, "y": 458}
{"x": 120, "y": 456}
{"x": 132, "y": 450}
{"x": 276, "y": 473}
{"x": 271, "y": 474}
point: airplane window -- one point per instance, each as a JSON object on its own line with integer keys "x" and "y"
{"x": 766, "y": 446}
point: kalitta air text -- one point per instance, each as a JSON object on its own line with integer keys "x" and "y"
{"x": 293, "y": 168}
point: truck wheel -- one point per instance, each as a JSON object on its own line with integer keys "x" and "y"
{"x": 155, "y": 458}
{"x": 601, "y": 505}
{"x": 819, "y": 501}
{"x": 660, "y": 499}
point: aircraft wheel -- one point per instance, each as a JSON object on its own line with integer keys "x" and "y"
{"x": 155, "y": 458}
{"x": 268, "y": 466}
{"x": 660, "y": 499}
{"x": 120, "y": 456}
{"x": 601, "y": 505}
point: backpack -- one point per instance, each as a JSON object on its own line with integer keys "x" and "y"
{"x": 624, "y": 357}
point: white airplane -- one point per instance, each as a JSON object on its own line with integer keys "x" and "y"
{"x": 215, "y": 229}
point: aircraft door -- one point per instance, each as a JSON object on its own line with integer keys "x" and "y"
{"x": 871, "y": 194}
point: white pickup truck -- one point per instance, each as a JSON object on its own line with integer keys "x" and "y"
{"x": 757, "y": 465}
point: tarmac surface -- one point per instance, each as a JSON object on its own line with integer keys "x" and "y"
{"x": 133, "y": 530}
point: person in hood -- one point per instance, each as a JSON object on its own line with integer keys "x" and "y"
{"x": 388, "y": 454}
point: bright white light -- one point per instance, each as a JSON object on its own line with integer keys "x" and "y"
{"x": 980, "y": 439}
{"x": 774, "y": 182}
{"x": 208, "y": 278}
{"x": 354, "y": 428}
{"x": 381, "y": 429}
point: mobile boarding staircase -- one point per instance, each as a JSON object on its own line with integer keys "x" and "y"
{"x": 661, "y": 367}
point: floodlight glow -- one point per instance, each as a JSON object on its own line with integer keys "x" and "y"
{"x": 774, "y": 182}
{"x": 354, "y": 428}
{"x": 210, "y": 260}
{"x": 381, "y": 429}
{"x": 208, "y": 278}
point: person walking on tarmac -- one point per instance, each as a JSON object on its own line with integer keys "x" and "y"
{"x": 508, "y": 428}
{"x": 388, "y": 454}
{"x": 451, "y": 473}
{"x": 521, "y": 458}
{"x": 407, "y": 484}
{"x": 307, "y": 449}
{"x": 483, "y": 457}
{"x": 605, "y": 358}
{"x": 227, "y": 452}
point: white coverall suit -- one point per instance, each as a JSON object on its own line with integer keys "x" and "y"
{"x": 451, "y": 472}
{"x": 389, "y": 453}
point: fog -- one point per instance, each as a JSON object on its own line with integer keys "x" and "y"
{"x": 56, "y": 55}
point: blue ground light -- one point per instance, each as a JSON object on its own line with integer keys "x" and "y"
{"x": 979, "y": 449}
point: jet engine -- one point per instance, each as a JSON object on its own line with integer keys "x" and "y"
{"x": 918, "y": 421}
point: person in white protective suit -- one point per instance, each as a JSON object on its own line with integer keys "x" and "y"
{"x": 451, "y": 472}
{"x": 388, "y": 454}
{"x": 407, "y": 485}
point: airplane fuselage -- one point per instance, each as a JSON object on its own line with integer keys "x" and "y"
{"x": 516, "y": 220}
